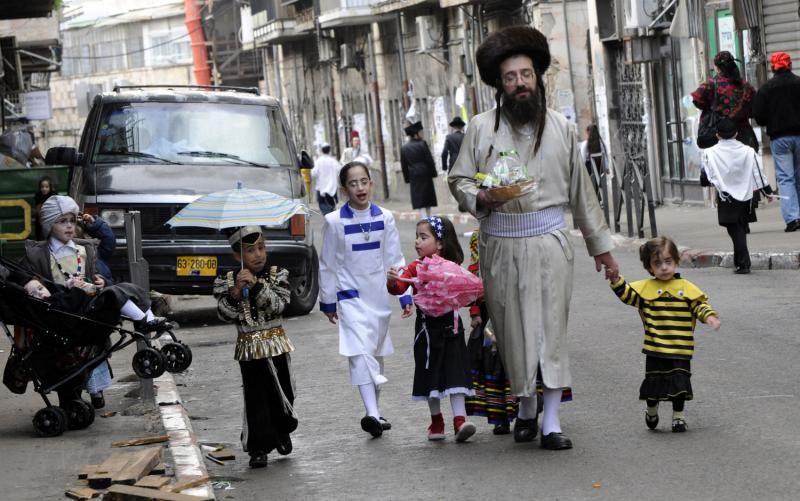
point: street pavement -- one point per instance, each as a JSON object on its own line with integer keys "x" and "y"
{"x": 742, "y": 441}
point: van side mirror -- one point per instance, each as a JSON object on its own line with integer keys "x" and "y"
{"x": 306, "y": 162}
{"x": 61, "y": 155}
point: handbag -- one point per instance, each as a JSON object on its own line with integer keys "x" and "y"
{"x": 707, "y": 128}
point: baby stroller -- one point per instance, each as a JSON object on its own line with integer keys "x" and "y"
{"x": 60, "y": 348}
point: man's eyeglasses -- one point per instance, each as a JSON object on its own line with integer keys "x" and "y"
{"x": 355, "y": 183}
{"x": 510, "y": 78}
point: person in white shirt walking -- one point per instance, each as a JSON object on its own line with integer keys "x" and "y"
{"x": 326, "y": 176}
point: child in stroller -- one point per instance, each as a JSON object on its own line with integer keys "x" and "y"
{"x": 66, "y": 333}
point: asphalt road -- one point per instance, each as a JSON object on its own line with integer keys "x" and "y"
{"x": 742, "y": 441}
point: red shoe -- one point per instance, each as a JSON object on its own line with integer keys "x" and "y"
{"x": 436, "y": 429}
{"x": 464, "y": 429}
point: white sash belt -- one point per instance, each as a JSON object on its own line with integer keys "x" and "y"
{"x": 526, "y": 224}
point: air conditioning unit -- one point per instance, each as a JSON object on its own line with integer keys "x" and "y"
{"x": 639, "y": 13}
{"x": 327, "y": 50}
{"x": 426, "y": 26}
{"x": 348, "y": 56}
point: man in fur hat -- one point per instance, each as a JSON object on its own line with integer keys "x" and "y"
{"x": 452, "y": 143}
{"x": 419, "y": 169}
{"x": 529, "y": 308}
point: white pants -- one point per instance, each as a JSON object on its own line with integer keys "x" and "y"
{"x": 366, "y": 369}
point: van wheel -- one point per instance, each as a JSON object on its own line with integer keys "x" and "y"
{"x": 304, "y": 297}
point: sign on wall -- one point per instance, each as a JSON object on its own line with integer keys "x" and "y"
{"x": 37, "y": 105}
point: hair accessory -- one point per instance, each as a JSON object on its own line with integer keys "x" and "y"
{"x": 780, "y": 61}
{"x": 436, "y": 225}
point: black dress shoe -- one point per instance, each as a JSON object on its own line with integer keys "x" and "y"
{"x": 285, "y": 445}
{"x": 525, "y": 430}
{"x": 258, "y": 460}
{"x": 501, "y": 429}
{"x": 742, "y": 271}
{"x": 385, "y": 425}
{"x": 372, "y": 426}
{"x": 793, "y": 226}
{"x": 98, "y": 402}
{"x": 156, "y": 324}
{"x": 556, "y": 442}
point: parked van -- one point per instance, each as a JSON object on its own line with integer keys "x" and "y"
{"x": 156, "y": 149}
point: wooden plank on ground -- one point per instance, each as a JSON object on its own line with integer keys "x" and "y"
{"x": 159, "y": 469}
{"x": 119, "y": 492}
{"x": 186, "y": 484}
{"x": 86, "y": 470}
{"x": 82, "y": 492}
{"x": 155, "y": 439}
{"x": 139, "y": 465}
{"x": 153, "y": 481}
{"x": 105, "y": 471}
{"x": 222, "y": 454}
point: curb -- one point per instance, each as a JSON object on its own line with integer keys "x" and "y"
{"x": 186, "y": 455}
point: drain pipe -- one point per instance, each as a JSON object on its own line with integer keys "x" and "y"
{"x": 402, "y": 53}
{"x": 202, "y": 73}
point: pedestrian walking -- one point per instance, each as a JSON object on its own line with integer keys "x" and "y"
{"x": 493, "y": 398}
{"x": 355, "y": 151}
{"x": 441, "y": 365}
{"x": 669, "y": 307}
{"x": 326, "y": 179}
{"x": 529, "y": 307}
{"x": 727, "y": 95}
{"x": 254, "y": 298}
{"x": 359, "y": 243}
{"x": 418, "y": 169}
{"x": 452, "y": 143}
{"x": 735, "y": 171}
{"x": 777, "y": 106}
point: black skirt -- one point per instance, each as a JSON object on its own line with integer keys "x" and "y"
{"x": 666, "y": 379}
{"x": 441, "y": 364}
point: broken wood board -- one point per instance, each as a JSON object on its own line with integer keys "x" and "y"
{"x": 186, "y": 484}
{"x": 159, "y": 469}
{"x": 82, "y": 491}
{"x": 222, "y": 454}
{"x": 155, "y": 439}
{"x": 120, "y": 492}
{"x": 139, "y": 465}
{"x": 153, "y": 481}
{"x": 101, "y": 477}
{"x": 86, "y": 470}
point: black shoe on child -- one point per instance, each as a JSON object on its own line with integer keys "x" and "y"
{"x": 385, "y": 425}
{"x": 372, "y": 426}
{"x": 651, "y": 421}
{"x": 155, "y": 324}
{"x": 525, "y": 430}
{"x": 502, "y": 429}
{"x": 258, "y": 460}
{"x": 678, "y": 425}
{"x": 556, "y": 442}
{"x": 98, "y": 402}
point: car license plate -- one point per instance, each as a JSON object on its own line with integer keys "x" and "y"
{"x": 197, "y": 266}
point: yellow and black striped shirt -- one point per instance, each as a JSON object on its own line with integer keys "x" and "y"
{"x": 669, "y": 310}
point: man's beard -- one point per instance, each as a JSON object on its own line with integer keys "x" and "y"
{"x": 521, "y": 111}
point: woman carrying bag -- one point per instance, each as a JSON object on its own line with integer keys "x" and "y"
{"x": 735, "y": 171}
{"x": 725, "y": 96}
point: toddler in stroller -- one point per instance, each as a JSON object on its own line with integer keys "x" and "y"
{"x": 67, "y": 332}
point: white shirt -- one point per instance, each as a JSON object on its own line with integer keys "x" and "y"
{"x": 326, "y": 174}
{"x": 60, "y": 249}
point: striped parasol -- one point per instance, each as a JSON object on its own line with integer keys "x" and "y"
{"x": 236, "y": 208}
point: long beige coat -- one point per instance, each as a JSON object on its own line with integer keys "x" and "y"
{"x": 528, "y": 281}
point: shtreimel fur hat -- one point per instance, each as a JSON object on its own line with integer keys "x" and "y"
{"x": 511, "y": 41}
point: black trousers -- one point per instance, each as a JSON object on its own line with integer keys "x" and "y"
{"x": 327, "y": 203}
{"x": 738, "y": 233}
{"x": 268, "y": 423}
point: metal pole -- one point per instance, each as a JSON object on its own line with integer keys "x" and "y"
{"x": 378, "y": 125}
{"x": 402, "y": 53}
{"x": 569, "y": 59}
{"x": 140, "y": 275}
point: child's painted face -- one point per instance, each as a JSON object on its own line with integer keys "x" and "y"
{"x": 64, "y": 228}
{"x": 36, "y": 289}
{"x": 663, "y": 266}
{"x": 358, "y": 187}
{"x": 253, "y": 256}
{"x": 44, "y": 187}
{"x": 426, "y": 243}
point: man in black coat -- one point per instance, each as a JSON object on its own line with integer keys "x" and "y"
{"x": 419, "y": 169}
{"x": 777, "y": 105}
{"x": 452, "y": 143}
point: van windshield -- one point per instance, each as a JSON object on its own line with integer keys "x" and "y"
{"x": 191, "y": 133}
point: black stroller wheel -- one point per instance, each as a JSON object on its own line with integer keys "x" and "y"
{"x": 50, "y": 421}
{"x": 80, "y": 414}
{"x": 148, "y": 363}
{"x": 177, "y": 356}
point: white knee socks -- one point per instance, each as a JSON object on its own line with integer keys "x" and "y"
{"x": 130, "y": 310}
{"x": 433, "y": 405}
{"x": 551, "y": 423}
{"x": 369, "y": 397}
{"x": 458, "y": 404}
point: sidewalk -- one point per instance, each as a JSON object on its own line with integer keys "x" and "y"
{"x": 701, "y": 240}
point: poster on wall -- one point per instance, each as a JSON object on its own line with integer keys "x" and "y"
{"x": 439, "y": 129}
{"x": 727, "y": 34}
{"x": 37, "y": 105}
